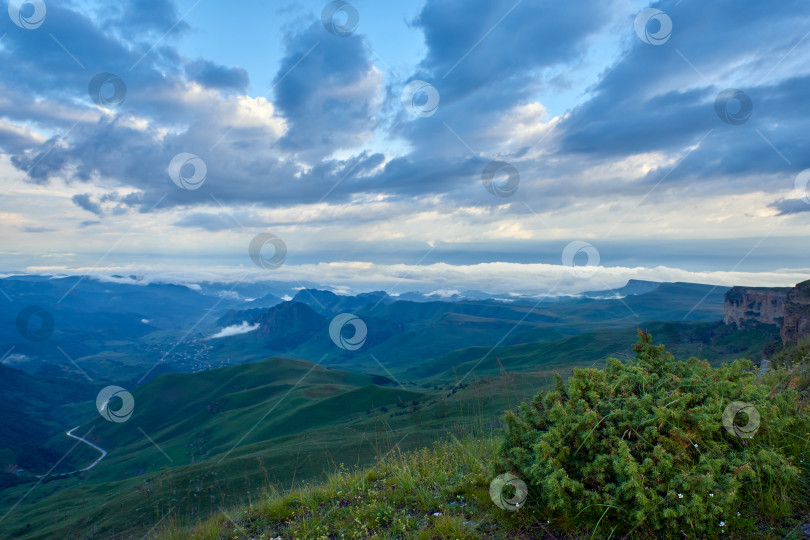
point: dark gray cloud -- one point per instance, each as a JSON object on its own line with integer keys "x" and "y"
{"x": 84, "y": 202}
{"x": 42, "y": 161}
{"x": 476, "y": 45}
{"x": 328, "y": 91}
{"x": 791, "y": 206}
{"x": 641, "y": 104}
{"x": 485, "y": 59}
{"x": 219, "y": 77}
{"x": 16, "y": 139}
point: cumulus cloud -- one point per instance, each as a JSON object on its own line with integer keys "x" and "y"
{"x": 84, "y": 202}
{"x": 328, "y": 90}
{"x": 212, "y": 75}
{"x": 172, "y": 105}
{"x": 477, "y": 47}
{"x": 662, "y": 98}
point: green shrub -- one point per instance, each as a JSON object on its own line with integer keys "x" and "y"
{"x": 792, "y": 356}
{"x": 639, "y": 449}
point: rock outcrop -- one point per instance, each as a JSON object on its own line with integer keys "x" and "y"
{"x": 796, "y": 325}
{"x": 760, "y": 304}
{"x": 788, "y": 308}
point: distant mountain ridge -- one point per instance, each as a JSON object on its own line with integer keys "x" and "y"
{"x": 329, "y": 303}
{"x": 633, "y": 287}
{"x": 124, "y": 328}
{"x": 403, "y": 333}
{"x": 287, "y": 323}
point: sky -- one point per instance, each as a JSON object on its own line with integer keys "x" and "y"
{"x": 430, "y": 144}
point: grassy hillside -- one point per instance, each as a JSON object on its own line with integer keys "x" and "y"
{"x": 441, "y": 492}
{"x": 223, "y": 436}
{"x": 434, "y": 493}
{"x": 444, "y": 491}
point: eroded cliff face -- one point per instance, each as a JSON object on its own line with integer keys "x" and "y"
{"x": 796, "y": 324}
{"x": 765, "y": 305}
{"x": 788, "y": 308}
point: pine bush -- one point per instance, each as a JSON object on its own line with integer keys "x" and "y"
{"x": 640, "y": 449}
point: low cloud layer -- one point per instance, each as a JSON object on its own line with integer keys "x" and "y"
{"x": 492, "y": 278}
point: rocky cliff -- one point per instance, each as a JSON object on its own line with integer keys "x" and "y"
{"x": 788, "y": 308}
{"x": 761, "y": 304}
{"x": 796, "y": 323}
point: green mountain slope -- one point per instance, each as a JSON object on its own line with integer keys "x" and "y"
{"x": 281, "y": 413}
{"x": 200, "y": 442}
{"x": 34, "y": 409}
{"x": 713, "y": 341}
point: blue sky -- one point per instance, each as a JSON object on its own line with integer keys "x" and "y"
{"x": 676, "y": 155}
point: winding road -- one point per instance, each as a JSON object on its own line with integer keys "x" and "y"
{"x": 85, "y": 441}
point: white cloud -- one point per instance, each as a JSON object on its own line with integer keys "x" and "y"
{"x": 235, "y": 330}
{"x": 444, "y": 293}
{"x": 16, "y": 359}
